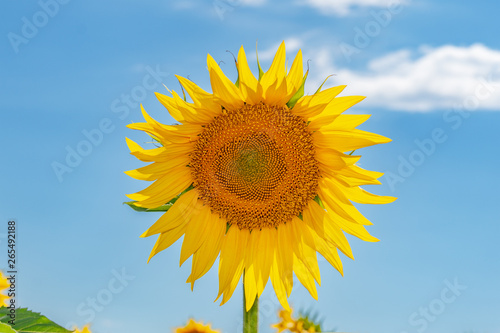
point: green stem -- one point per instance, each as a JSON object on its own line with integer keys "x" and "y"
{"x": 250, "y": 318}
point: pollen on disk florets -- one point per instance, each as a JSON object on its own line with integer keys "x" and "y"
{"x": 255, "y": 166}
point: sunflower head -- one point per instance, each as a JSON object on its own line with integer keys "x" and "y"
{"x": 259, "y": 174}
{"x": 195, "y": 327}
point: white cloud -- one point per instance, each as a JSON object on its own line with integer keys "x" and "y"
{"x": 345, "y": 7}
{"x": 430, "y": 79}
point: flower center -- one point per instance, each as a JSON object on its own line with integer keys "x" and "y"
{"x": 250, "y": 167}
{"x": 255, "y": 166}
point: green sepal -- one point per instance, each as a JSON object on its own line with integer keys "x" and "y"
{"x": 237, "y": 83}
{"x": 310, "y": 321}
{"x": 298, "y": 94}
{"x": 321, "y": 86}
{"x": 162, "y": 208}
{"x": 183, "y": 94}
{"x": 318, "y": 200}
{"x": 261, "y": 72}
{"x": 27, "y": 321}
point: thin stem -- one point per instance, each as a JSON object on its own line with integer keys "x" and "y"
{"x": 250, "y": 318}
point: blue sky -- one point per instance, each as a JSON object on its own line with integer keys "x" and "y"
{"x": 431, "y": 74}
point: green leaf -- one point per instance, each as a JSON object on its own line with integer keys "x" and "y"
{"x": 27, "y": 321}
{"x": 4, "y": 328}
{"x": 162, "y": 208}
{"x": 298, "y": 94}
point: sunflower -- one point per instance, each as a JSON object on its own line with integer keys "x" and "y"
{"x": 301, "y": 325}
{"x": 258, "y": 174}
{"x": 4, "y": 284}
{"x": 195, "y": 327}
{"x": 85, "y": 329}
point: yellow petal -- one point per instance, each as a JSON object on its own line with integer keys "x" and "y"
{"x": 344, "y": 122}
{"x": 335, "y": 200}
{"x": 179, "y": 213}
{"x": 295, "y": 76}
{"x": 168, "y": 238}
{"x": 191, "y": 113}
{"x": 252, "y": 270}
{"x": 278, "y": 285}
{"x": 276, "y": 94}
{"x": 356, "y": 230}
{"x": 347, "y": 140}
{"x": 223, "y": 89}
{"x": 334, "y": 235}
{"x": 170, "y": 134}
{"x": 250, "y": 288}
{"x": 277, "y": 72}
{"x": 249, "y": 85}
{"x": 204, "y": 258}
{"x": 345, "y": 215}
{"x": 355, "y": 176}
{"x": 329, "y": 253}
{"x": 196, "y": 234}
{"x": 157, "y": 169}
{"x": 304, "y": 246}
{"x": 171, "y": 106}
{"x": 321, "y": 222}
{"x": 164, "y": 189}
{"x": 359, "y": 195}
{"x": 232, "y": 286}
{"x": 304, "y": 277}
{"x": 333, "y": 159}
{"x": 333, "y": 110}
{"x": 231, "y": 258}
{"x": 312, "y": 105}
{"x": 146, "y": 155}
{"x": 200, "y": 97}
{"x": 284, "y": 254}
{"x": 264, "y": 256}
{"x": 356, "y": 193}
{"x": 310, "y": 260}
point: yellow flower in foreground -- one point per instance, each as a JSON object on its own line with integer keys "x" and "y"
{"x": 4, "y": 285}
{"x": 264, "y": 177}
{"x": 300, "y": 325}
{"x": 194, "y": 327}
{"x": 85, "y": 329}
{"x": 286, "y": 321}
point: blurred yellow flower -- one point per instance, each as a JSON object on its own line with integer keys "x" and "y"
{"x": 4, "y": 284}
{"x": 195, "y": 327}
{"x": 85, "y": 329}
{"x": 300, "y": 325}
{"x": 264, "y": 174}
